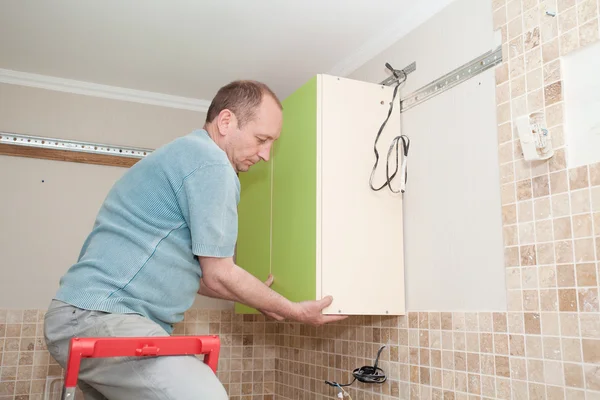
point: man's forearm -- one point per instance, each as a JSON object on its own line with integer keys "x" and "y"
{"x": 205, "y": 291}
{"x": 222, "y": 276}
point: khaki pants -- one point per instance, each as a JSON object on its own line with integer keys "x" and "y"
{"x": 127, "y": 378}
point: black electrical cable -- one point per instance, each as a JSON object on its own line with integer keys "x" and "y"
{"x": 365, "y": 374}
{"x": 396, "y": 141}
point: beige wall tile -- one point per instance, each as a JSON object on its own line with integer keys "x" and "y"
{"x": 502, "y": 73}
{"x": 588, "y": 299}
{"x": 588, "y": 33}
{"x": 519, "y": 108}
{"x": 486, "y": 343}
{"x": 547, "y": 276}
{"x": 528, "y": 4}
{"x": 550, "y": 50}
{"x": 592, "y": 377}
{"x": 574, "y": 375}
{"x": 522, "y": 168}
{"x": 554, "y": 115}
{"x": 548, "y": 300}
{"x": 515, "y": 47}
{"x": 541, "y": 186}
{"x": 531, "y": 300}
{"x": 553, "y": 93}
{"x": 535, "y": 370}
{"x": 471, "y": 322}
{"x": 528, "y": 255}
{"x": 503, "y": 388}
{"x": 580, "y": 201}
{"x": 503, "y": 113}
{"x": 586, "y": 10}
{"x": 551, "y": 321}
{"x": 552, "y": 72}
{"x": 584, "y": 250}
{"x": 518, "y": 368}
{"x": 515, "y": 28}
{"x": 511, "y": 256}
{"x": 564, "y": 5}
{"x": 558, "y": 182}
{"x": 525, "y": 211}
{"x": 524, "y": 190}
{"x": 578, "y": 178}
{"x": 548, "y": 29}
{"x": 499, "y": 17}
{"x": 586, "y": 274}
{"x": 560, "y": 203}
{"x": 517, "y": 345}
{"x": 543, "y": 230}
{"x": 532, "y": 39}
{"x": 591, "y": 350}
{"x": 532, "y": 323}
{"x": 595, "y": 205}
{"x": 496, "y": 4}
{"x": 529, "y": 278}
{"x": 552, "y": 350}
{"x": 567, "y": 300}
{"x": 569, "y": 42}
{"x": 595, "y": 174}
{"x": 590, "y": 325}
{"x": 569, "y": 324}
{"x": 571, "y": 349}
{"x": 487, "y": 362}
{"x": 502, "y": 366}
{"x": 514, "y": 9}
{"x": 558, "y": 136}
{"x": 488, "y": 386}
{"x": 564, "y": 251}
{"x": 567, "y": 20}
{"x": 582, "y": 225}
{"x": 562, "y": 228}
{"x": 554, "y": 372}
{"x": 542, "y": 207}
{"x": 545, "y": 253}
{"x": 531, "y": 15}
{"x": 535, "y": 101}
{"x": 533, "y": 59}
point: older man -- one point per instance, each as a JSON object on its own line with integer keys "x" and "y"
{"x": 166, "y": 231}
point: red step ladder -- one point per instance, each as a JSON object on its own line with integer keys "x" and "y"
{"x": 136, "y": 347}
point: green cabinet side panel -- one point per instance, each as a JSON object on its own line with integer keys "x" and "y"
{"x": 294, "y": 199}
{"x": 254, "y": 218}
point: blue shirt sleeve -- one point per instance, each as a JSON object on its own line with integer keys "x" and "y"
{"x": 208, "y": 199}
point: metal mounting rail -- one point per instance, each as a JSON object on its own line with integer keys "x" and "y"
{"x": 448, "y": 81}
{"x": 72, "y": 145}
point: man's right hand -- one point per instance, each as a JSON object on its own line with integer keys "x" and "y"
{"x": 227, "y": 280}
{"x": 310, "y": 312}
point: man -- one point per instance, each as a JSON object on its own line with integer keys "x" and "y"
{"x": 166, "y": 231}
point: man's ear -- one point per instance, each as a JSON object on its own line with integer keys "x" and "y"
{"x": 226, "y": 120}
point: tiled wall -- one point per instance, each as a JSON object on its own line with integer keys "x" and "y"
{"x": 548, "y": 343}
{"x": 246, "y": 362}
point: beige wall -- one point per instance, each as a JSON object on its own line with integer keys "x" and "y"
{"x": 43, "y": 224}
{"x": 452, "y": 220}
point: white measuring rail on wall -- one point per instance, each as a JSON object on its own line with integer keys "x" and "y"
{"x": 72, "y": 145}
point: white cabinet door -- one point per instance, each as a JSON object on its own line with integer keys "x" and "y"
{"x": 360, "y": 254}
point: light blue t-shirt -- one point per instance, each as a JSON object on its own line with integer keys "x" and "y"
{"x": 177, "y": 203}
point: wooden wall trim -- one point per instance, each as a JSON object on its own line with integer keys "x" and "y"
{"x": 65, "y": 155}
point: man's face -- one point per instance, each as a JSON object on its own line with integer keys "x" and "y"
{"x": 252, "y": 143}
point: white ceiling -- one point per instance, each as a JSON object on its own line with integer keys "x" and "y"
{"x": 192, "y": 47}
